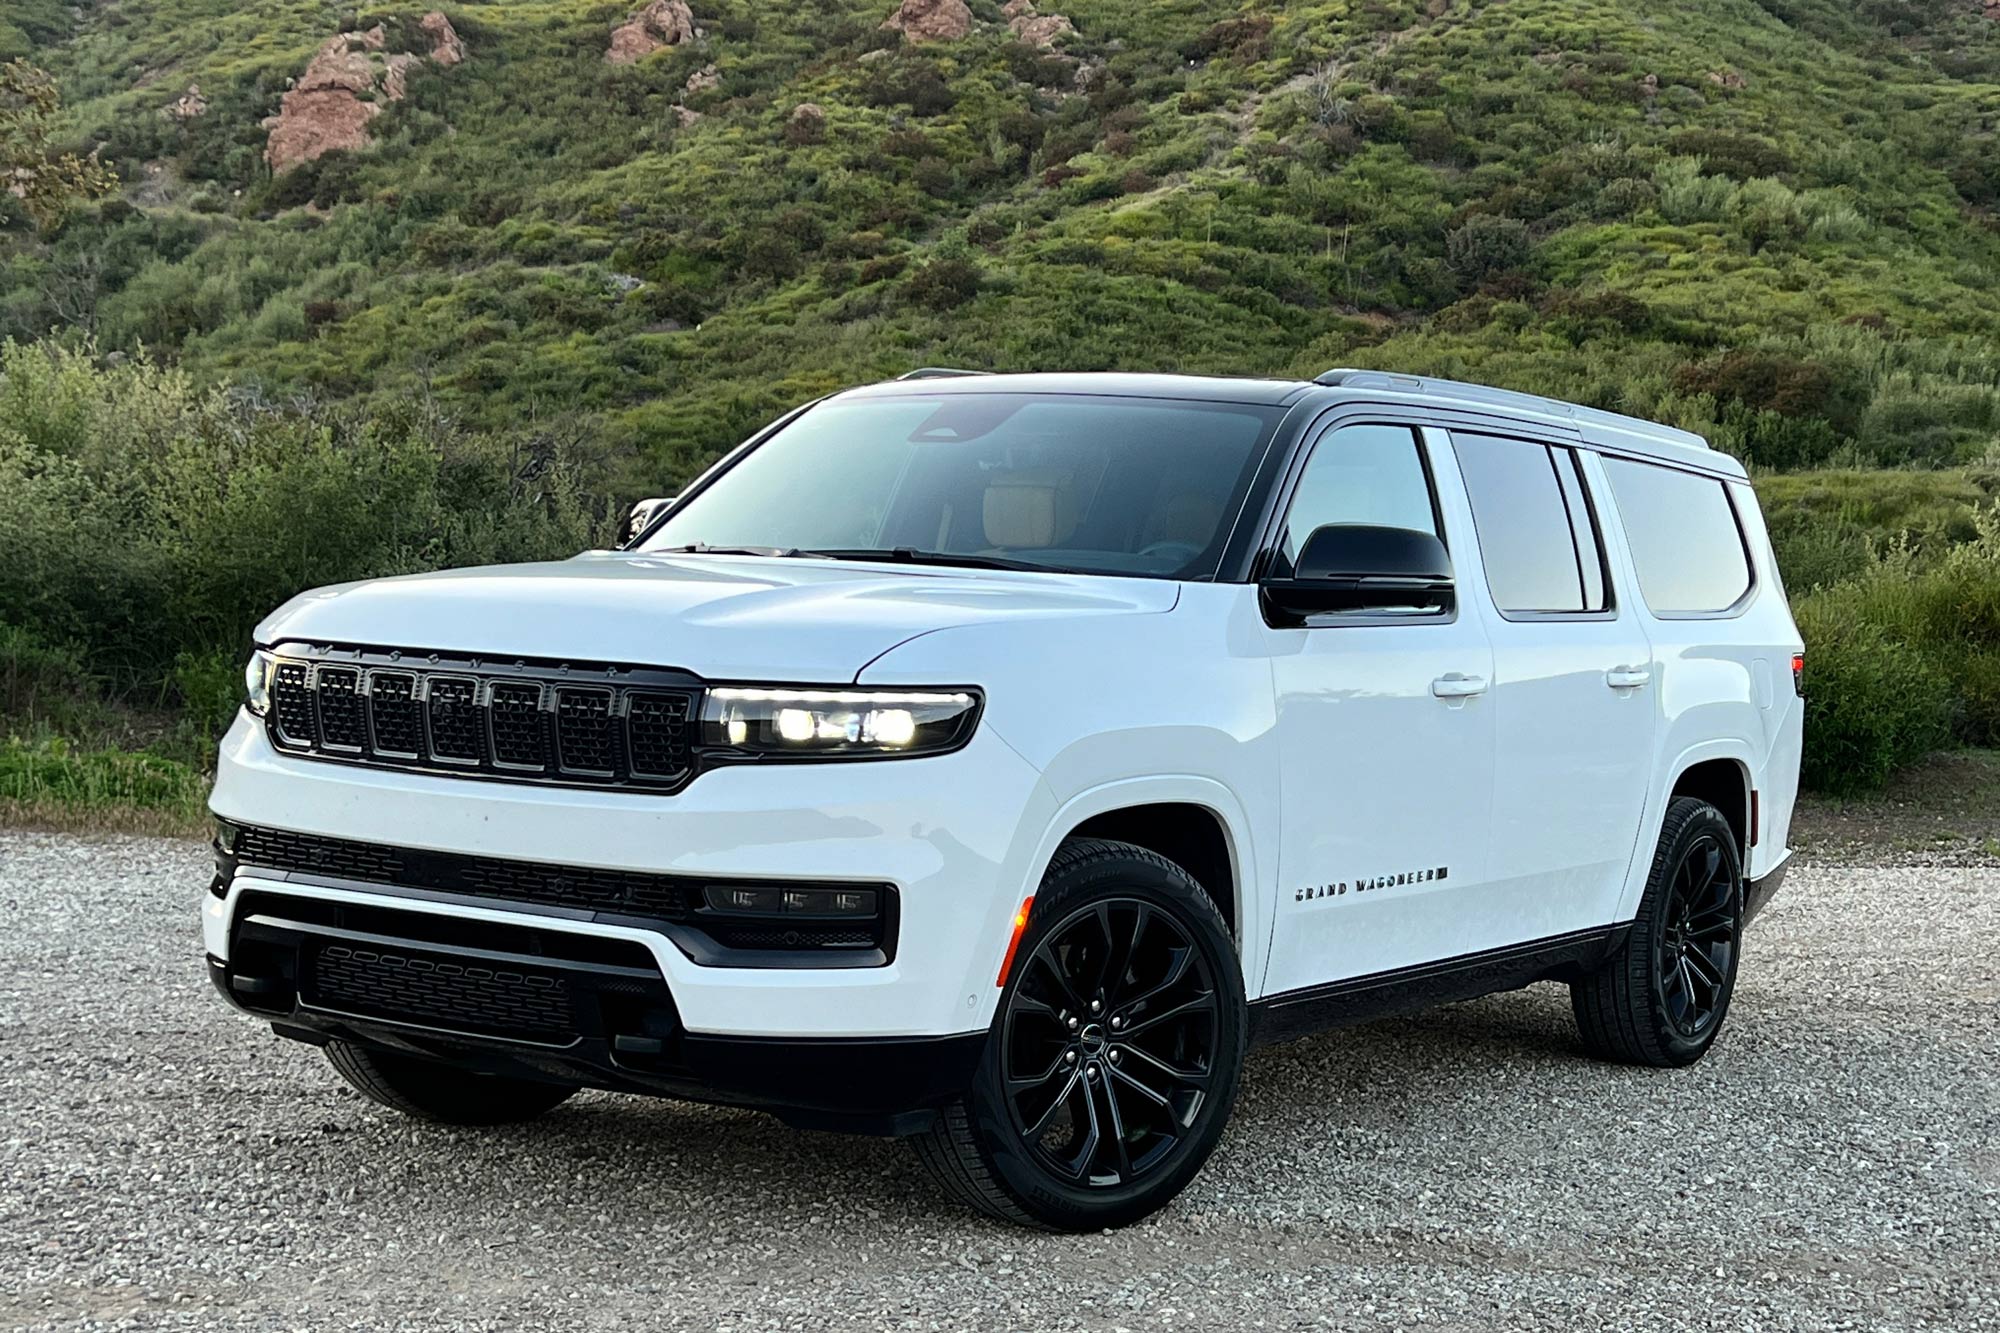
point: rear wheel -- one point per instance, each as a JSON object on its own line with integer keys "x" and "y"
{"x": 1661, "y": 998}
{"x": 430, "y": 1090}
{"x": 1114, "y": 1058}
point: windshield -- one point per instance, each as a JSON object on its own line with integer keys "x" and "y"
{"x": 1129, "y": 486}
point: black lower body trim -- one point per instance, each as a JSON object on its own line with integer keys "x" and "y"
{"x": 573, "y": 1010}
{"x": 1359, "y": 999}
{"x": 1758, "y": 892}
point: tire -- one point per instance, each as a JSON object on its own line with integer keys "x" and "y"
{"x": 1661, "y": 997}
{"x": 430, "y": 1090}
{"x": 1167, "y": 1083}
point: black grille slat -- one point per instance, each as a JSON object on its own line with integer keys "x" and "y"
{"x": 457, "y": 730}
{"x": 514, "y": 715}
{"x": 657, "y": 727}
{"x": 343, "y": 725}
{"x": 586, "y": 731}
{"x": 280, "y": 850}
{"x": 292, "y": 705}
{"x": 440, "y": 990}
{"x": 588, "y": 725}
{"x": 530, "y": 883}
{"x": 397, "y": 722}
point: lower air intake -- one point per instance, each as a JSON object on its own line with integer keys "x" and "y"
{"x": 439, "y": 991}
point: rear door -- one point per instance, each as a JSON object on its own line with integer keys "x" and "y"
{"x": 1575, "y": 686}
{"x": 1385, "y": 742}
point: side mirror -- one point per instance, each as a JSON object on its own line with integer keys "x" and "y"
{"x": 1361, "y": 567}
{"x": 642, "y": 516}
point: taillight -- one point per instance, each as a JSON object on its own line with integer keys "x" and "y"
{"x": 1799, "y": 674}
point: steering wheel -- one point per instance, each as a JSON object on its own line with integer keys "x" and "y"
{"x": 1176, "y": 550}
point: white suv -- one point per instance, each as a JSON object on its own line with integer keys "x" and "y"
{"x": 994, "y": 760}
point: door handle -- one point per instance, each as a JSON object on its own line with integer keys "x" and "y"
{"x": 1628, "y": 677}
{"x": 1456, "y": 685}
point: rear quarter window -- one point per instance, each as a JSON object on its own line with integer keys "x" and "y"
{"x": 1686, "y": 541}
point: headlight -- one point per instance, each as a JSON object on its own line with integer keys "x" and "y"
{"x": 257, "y": 683}
{"x": 810, "y": 723}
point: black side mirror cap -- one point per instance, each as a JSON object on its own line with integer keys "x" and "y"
{"x": 1347, "y": 567}
{"x": 642, "y": 516}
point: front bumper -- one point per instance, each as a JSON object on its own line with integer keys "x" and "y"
{"x": 625, "y": 1040}
{"x": 955, "y": 837}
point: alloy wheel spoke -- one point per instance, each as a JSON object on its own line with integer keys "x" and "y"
{"x": 1053, "y": 970}
{"x": 1178, "y": 967}
{"x": 1704, "y": 968}
{"x": 1188, "y": 1078}
{"x": 1121, "y": 950}
{"x": 1041, "y": 1126}
{"x": 1201, "y": 1003}
{"x": 1019, "y": 1083}
{"x": 1079, "y": 1166}
{"x": 1149, "y": 1094}
{"x": 1103, "y": 1086}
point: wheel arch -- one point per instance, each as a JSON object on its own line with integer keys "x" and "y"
{"x": 1180, "y": 818}
{"x": 1721, "y": 772}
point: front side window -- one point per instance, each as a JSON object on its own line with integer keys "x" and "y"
{"x": 1129, "y": 486}
{"x": 1684, "y": 537}
{"x": 1361, "y": 474}
{"x": 1537, "y": 537}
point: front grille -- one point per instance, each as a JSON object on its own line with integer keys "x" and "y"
{"x": 519, "y": 721}
{"x": 440, "y": 990}
{"x": 631, "y": 893}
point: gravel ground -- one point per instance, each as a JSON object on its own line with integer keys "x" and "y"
{"x": 1835, "y": 1163}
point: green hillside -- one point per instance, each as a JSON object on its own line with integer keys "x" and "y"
{"x": 1689, "y": 209}
{"x": 546, "y": 281}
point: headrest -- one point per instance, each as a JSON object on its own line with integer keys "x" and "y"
{"x": 1029, "y": 509}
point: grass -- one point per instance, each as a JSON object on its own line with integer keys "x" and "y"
{"x": 1945, "y": 809}
{"x": 51, "y": 785}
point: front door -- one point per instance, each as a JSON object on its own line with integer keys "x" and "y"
{"x": 1385, "y": 740}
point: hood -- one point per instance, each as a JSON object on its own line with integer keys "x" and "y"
{"x": 722, "y": 617}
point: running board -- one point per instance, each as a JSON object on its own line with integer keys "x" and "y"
{"x": 1297, "y": 1013}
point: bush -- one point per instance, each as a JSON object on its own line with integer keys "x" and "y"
{"x": 1872, "y": 705}
{"x": 1487, "y": 245}
{"x": 1901, "y": 660}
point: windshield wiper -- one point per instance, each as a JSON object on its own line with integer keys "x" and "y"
{"x": 703, "y": 548}
{"x": 910, "y": 555}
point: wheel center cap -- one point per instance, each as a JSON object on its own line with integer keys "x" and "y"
{"x": 1093, "y": 1038}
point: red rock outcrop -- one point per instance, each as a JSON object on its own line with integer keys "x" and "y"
{"x": 702, "y": 80}
{"x": 661, "y": 23}
{"x": 931, "y": 20}
{"x": 331, "y": 104}
{"x": 447, "y": 48}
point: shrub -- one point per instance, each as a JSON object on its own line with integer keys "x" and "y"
{"x": 944, "y": 283}
{"x": 1872, "y": 705}
{"x": 1487, "y": 244}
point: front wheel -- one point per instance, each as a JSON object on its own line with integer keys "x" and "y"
{"x": 1114, "y": 1058}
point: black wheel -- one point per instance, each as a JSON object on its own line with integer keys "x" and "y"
{"x": 1661, "y": 998}
{"x": 1114, "y": 1057}
{"x": 430, "y": 1090}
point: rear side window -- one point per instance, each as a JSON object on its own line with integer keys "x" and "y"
{"x": 1684, "y": 536}
{"x": 1537, "y": 536}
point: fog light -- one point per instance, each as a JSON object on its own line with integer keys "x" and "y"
{"x": 737, "y": 900}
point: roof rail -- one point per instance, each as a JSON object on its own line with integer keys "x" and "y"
{"x": 937, "y": 373}
{"x": 1520, "y": 402}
